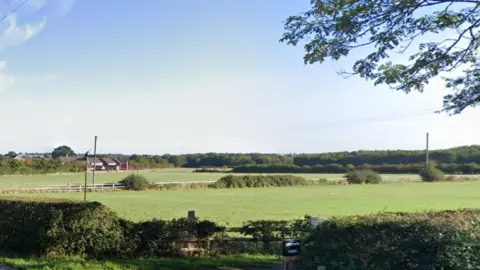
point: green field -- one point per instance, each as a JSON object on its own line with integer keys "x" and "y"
{"x": 166, "y": 175}
{"x": 237, "y": 205}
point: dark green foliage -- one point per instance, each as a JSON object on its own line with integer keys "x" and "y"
{"x": 256, "y": 181}
{"x": 63, "y": 151}
{"x": 430, "y": 240}
{"x": 178, "y": 161}
{"x": 363, "y": 177}
{"x": 11, "y": 154}
{"x": 136, "y": 182}
{"x": 161, "y": 238}
{"x": 470, "y": 168}
{"x": 432, "y": 174}
{"x": 334, "y": 29}
{"x": 211, "y": 170}
{"x": 54, "y": 227}
{"x": 276, "y": 229}
{"x": 454, "y": 160}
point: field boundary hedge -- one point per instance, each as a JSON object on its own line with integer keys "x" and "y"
{"x": 257, "y": 181}
{"x": 415, "y": 168}
{"x": 425, "y": 240}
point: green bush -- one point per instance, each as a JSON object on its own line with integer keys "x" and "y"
{"x": 212, "y": 170}
{"x": 255, "y": 181}
{"x": 432, "y": 173}
{"x": 161, "y": 238}
{"x": 53, "y": 227}
{"x": 363, "y": 177}
{"x": 135, "y": 182}
{"x": 267, "y": 230}
{"x": 430, "y": 240}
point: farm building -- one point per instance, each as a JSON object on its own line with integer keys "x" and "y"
{"x": 110, "y": 164}
{"x": 98, "y": 164}
{"x": 122, "y": 163}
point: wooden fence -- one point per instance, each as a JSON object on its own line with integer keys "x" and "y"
{"x": 89, "y": 187}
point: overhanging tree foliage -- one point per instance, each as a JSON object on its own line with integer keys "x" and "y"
{"x": 334, "y": 28}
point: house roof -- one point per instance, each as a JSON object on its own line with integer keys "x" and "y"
{"x": 121, "y": 160}
{"x": 109, "y": 161}
{"x": 98, "y": 161}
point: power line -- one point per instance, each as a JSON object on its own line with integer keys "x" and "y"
{"x": 384, "y": 117}
{"x": 369, "y": 120}
{"x": 13, "y": 10}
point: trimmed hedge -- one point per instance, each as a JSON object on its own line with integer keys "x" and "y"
{"x": 363, "y": 177}
{"x": 57, "y": 228}
{"x": 256, "y": 181}
{"x": 54, "y": 227}
{"x": 430, "y": 240}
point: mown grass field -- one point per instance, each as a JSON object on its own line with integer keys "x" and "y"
{"x": 234, "y": 206}
{"x": 166, "y": 175}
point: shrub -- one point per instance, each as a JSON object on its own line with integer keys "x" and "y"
{"x": 363, "y": 177}
{"x": 255, "y": 181}
{"x": 276, "y": 229}
{"x": 211, "y": 170}
{"x": 161, "y": 238}
{"x": 430, "y": 240}
{"x": 135, "y": 182}
{"x": 432, "y": 174}
{"x": 54, "y": 227}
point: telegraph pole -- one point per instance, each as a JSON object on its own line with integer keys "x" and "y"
{"x": 427, "y": 152}
{"x": 86, "y": 170}
{"x": 94, "y": 159}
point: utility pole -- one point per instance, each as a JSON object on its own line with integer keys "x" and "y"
{"x": 427, "y": 153}
{"x": 94, "y": 159}
{"x": 86, "y": 171}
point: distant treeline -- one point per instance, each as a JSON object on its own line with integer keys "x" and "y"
{"x": 461, "y": 159}
{"x": 459, "y": 155}
{"x": 38, "y": 166}
{"x": 468, "y": 168}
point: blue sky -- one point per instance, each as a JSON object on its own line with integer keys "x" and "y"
{"x": 182, "y": 76}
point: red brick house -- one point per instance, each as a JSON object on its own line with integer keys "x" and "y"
{"x": 98, "y": 164}
{"x": 110, "y": 164}
{"x": 122, "y": 164}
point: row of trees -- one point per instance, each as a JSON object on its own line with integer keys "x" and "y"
{"x": 459, "y": 155}
{"x": 38, "y": 166}
{"x": 461, "y": 159}
{"x": 415, "y": 168}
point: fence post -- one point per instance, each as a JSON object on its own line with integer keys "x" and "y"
{"x": 191, "y": 228}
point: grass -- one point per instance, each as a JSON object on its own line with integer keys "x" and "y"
{"x": 161, "y": 175}
{"x": 154, "y": 264}
{"x": 238, "y": 205}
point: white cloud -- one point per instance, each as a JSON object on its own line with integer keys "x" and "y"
{"x": 14, "y": 34}
{"x": 19, "y": 27}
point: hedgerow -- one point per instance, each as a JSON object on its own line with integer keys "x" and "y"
{"x": 53, "y": 227}
{"x": 255, "y": 181}
{"x": 431, "y": 240}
